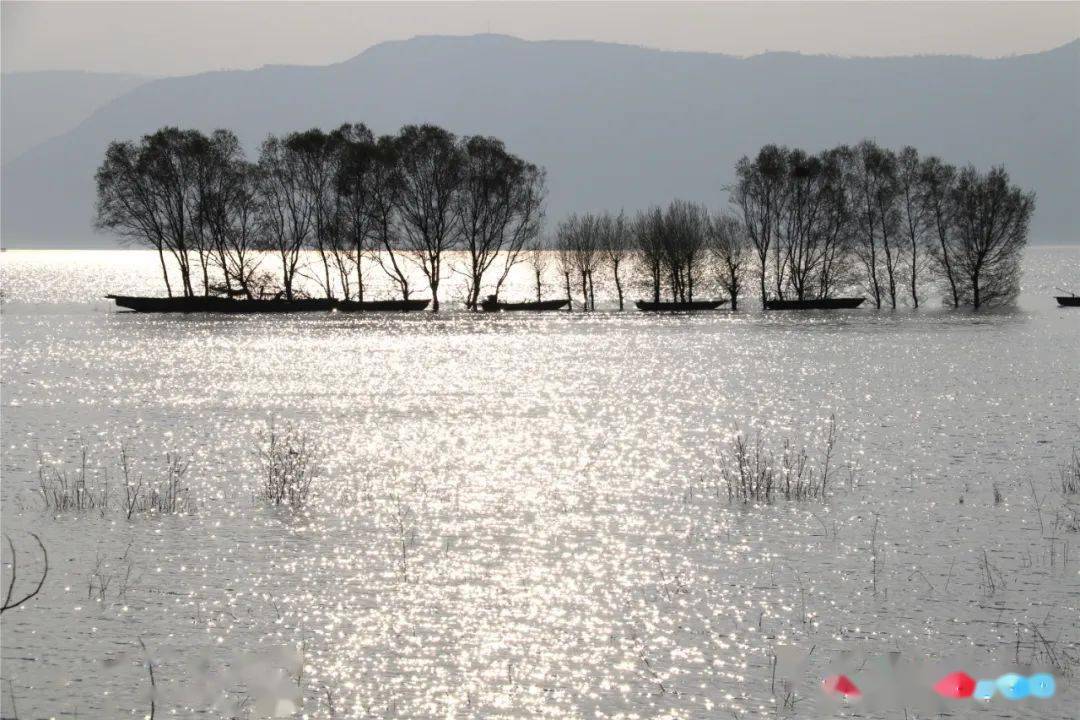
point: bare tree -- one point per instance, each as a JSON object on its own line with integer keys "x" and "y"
{"x": 170, "y": 167}
{"x": 937, "y": 180}
{"x": 385, "y": 190}
{"x": 684, "y": 243}
{"x": 285, "y": 208}
{"x": 731, "y": 251}
{"x": 579, "y": 237}
{"x": 834, "y": 228}
{"x": 223, "y": 210}
{"x": 205, "y": 166}
{"x": 144, "y": 195}
{"x": 876, "y": 218}
{"x": 127, "y": 202}
{"x": 616, "y": 244}
{"x": 538, "y": 256}
{"x": 565, "y": 259}
{"x": 431, "y": 165}
{"x": 314, "y": 157}
{"x": 649, "y": 247}
{"x": 239, "y": 256}
{"x": 758, "y": 195}
{"x": 498, "y": 209}
{"x": 804, "y": 227}
{"x": 914, "y": 218}
{"x": 530, "y": 193}
{"x": 991, "y": 225}
{"x": 354, "y": 193}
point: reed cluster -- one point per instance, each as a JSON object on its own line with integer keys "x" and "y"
{"x": 288, "y": 467}
{"x": 1070, "y": 474}
{"x": 64, "y": 491}
{"x": 752, "y": 473}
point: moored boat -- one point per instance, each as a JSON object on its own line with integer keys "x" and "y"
{"x": 214, "y": 304}
{"x": 382, "y": 305}
{"x": 491, "y": 304}
{"x": 1068, "y": 300}
{"x": 819, "y": 304}
{"x": 678, "y": 306}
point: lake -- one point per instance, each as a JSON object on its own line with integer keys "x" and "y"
{"x": 525, "y": 516}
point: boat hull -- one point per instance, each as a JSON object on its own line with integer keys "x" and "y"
{"x": 217, "y": 305}
{"x": 382, "y": 305}
{"x": 821, "y": 304}
{"x": 488, "y": 306}
{"x": 1069, "y": 300}
{"x": 679, "y": 306}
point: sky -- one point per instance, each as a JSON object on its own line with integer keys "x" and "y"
{"x": 174, "y": 38}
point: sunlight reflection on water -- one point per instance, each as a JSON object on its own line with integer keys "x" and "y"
{"x": 522, "y": 516}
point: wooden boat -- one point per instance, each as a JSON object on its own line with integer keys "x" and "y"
{"x": 1069, "y": 300}
{"x": 214, "y": 304}
{"x": 382, "y": 305}
{"x": 679, "y": 306}
{"x": 819, "y": 304}
{"x": 491, "y": 304}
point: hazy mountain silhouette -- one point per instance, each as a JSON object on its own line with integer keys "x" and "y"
{"x": 616, "y": 126}
{"x": 37, "y": 106}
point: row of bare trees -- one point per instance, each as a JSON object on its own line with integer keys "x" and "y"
{"x": 397, "y": 202}
{"x": 886, "y": 221}
{"x": 667, "y": 252}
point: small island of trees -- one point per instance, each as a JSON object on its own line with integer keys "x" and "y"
{"x": 346, "y": 195}
{"x": 805, "y": 226}
{"x": 799, "y": 226}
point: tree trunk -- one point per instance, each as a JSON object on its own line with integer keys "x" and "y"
{"x": 618, "y": 287}
{"x": 569, "y": 297}
{"x": 948, "y": 266}
{"x": 205, "y": 273}
{"x": 359, "y": 274}
{"x": 326, "y": 272}
{"x": 164, "y": 270}
{"x": 185, "y": 272}
{"x": 474, "y": 292}
{"x": 915, "y": 274}
{"x": 764, "y": 296}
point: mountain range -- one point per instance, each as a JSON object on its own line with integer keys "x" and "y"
{"x": 37, "y": 106}
{"x": 616, "y": 126}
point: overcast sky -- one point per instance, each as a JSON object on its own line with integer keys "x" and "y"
{"x": 180, "y": 38}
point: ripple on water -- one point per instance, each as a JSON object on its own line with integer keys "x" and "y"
{"x": 521, "y": 516}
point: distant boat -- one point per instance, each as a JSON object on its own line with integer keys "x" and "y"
{"x": 492, "y": 304}
{"x": 820, "y": 304}
{"x": 382, "y": 305}
{"x": 1069, "y": 300}
{"x": 679, "y": 306}
{"x": 217, "y": 305}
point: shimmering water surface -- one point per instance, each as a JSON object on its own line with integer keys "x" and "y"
{"x": 522, "y": 515}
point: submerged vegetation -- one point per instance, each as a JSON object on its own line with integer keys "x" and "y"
{"x": 66, "y": 491}
{"x": 752, "y": 473}
{"x": 1070, "y": 474}
{"x": 287, "y": 467}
